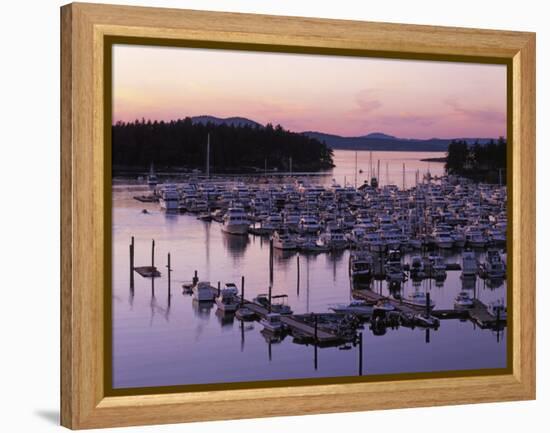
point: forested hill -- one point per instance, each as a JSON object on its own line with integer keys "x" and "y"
{"x": 233, "y": 148}
{"x": 485, "y": 162}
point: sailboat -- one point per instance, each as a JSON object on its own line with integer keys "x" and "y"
{"x": 152, "y": 179}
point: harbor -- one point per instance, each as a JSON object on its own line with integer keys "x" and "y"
{"x": 402, "y": 268}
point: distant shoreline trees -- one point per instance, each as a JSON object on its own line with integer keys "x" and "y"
{"x": 478, "y": 161}
{"x": 182, "y": 144}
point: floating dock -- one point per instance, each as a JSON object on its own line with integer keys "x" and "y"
{"x": 478, "y": 313}
{"x": 294, "y": 323}
{"x": 147, "y": 271}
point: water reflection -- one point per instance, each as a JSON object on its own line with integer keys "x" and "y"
{"x": 494, "y": 283}
{"x": 202, "y": 309}
{"x": 150, "y": 338}
{"x": 283, "y": 257}
{"x": 394, "y": 288}
{"x": 235, "y": 244}
{"x": 164, "y": 312}
{"x": 225, "y": 319}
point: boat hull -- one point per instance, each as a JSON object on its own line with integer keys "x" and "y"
{"x": 235, "y": 229}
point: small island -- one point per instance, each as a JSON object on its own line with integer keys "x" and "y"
{"x": 481, "y": 162}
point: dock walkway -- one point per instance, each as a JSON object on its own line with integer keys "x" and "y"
{"x": 372, "y": 297}
{"x": 478, "y": 313}
{"x": 293, "y": 322}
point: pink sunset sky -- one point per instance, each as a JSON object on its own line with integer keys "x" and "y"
{"x": 347, "y": 96}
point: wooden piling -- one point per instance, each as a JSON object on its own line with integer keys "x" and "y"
{"x": 242, "y": 290}
{"x": 270, "y": 261}
{"x": 428, "y": 304}
{"x": 219, "y": 288}
{"x": 315, "y": 356}
{"x": 498, "y": 325}
{"x": 269, "y": 298}
{"x": 132, "y": 264}
{"x": 298, "y": 273}
{"x": 315, "y": 327}
{"x": 169, "y": 272}
{"x": 360, "y": 354}
{"x": 242, "y": 336}
{"x": 315, "y": 340}
{"x": 153, "y": 254}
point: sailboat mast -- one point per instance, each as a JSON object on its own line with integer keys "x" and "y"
{"x": 355, "y": 169}
{"x": 208, "y": 156}
{"x": 370, "y": 171}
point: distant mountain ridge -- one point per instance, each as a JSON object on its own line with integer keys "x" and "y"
{"x": 383, "y": 142}
{"x": 372, "y": 141}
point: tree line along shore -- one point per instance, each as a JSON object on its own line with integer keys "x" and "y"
{"x": 483, "y": 162}
{"x": 182, "y": 144}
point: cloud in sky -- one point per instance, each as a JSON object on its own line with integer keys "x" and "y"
{"x": 476, "y": 114}
{"x": 366, "y": 101}
{"x": 341, "y": 95}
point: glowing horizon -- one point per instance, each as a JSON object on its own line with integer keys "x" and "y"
{"x": 348, "y": 96}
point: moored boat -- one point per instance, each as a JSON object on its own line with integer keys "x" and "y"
{"x": 464, "y": 300}
{"x": 235, "y": 221}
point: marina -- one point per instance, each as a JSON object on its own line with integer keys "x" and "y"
{"x": 312, "y": 245}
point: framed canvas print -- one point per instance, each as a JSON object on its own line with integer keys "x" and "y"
{"x": 275, "y": 216}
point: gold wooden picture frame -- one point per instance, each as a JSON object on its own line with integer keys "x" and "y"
{"x": 87, "y": 34}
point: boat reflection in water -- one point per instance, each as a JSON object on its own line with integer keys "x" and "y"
{"x": 226, "y": 319}
{"x": 235, "y": 244}
{"x": 157, "y": 341}
{"x": 202, "y": 309}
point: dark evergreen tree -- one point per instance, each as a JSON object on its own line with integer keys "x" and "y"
{"x": 182, "y": 143}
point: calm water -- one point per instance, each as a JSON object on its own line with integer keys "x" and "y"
{"x": 159, "y": 340}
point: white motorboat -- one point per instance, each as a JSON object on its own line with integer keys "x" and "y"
{"x": 498, "y": 310}
{"x": 361, "y": 267}
{"x": 235, "y": 221}
{"x": 278, "y": 304}
{"x": 308, "y": 224}
{"x": 204, "y": 291}
{"x": 384, "y": 305}
{"x": 459, "y": 239}
{"x": 228, "y": 300}
{"x": 359, "y": 308}
{"x": 309, "y": 245}
{"x": 426, "y": 321}
{"x": 152, "y": 179}
{"x": 418, "y": 299}
{"x": 332, "y": 239}
{"x": 443, "y": 239}
{"x": 493, "y": 267}
{"x": 464, "y": 300}
{"x": 394, "y": 267}
{"x": 439, "y": 268}
{"x": 283, "y": 241}
{"x": 475, "y": 238}
{"x": 469, "y": 263}
{"x": 272, "y": 322}
{"x": 416, "y": 268}
{"x": 169, "y": 197}
{"x": 245, "y": 314}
